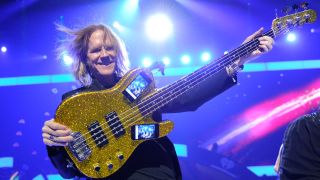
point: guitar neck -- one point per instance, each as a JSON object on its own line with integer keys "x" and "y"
{"x": 169, "y": 93}
{"x": 280, "y": 26}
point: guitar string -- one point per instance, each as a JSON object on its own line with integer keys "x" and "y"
{"x": 228, "y": 60}
{"x": 149, "y": 108}
{"x": 136, "y": 120}
{"x": 202, "y": 69}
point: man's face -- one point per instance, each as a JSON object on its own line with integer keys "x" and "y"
{"x": 101, "y": 55}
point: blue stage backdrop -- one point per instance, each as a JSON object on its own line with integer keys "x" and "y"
{"x": 236, "y": 134}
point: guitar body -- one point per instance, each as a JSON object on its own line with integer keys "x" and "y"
{"x": 102, "y": 123}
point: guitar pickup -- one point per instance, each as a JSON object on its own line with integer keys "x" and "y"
{"x": 115, "y": 124}
{"x": 97, "y": 134}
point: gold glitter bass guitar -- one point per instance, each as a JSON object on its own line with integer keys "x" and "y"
{"x": 109, "y": 125}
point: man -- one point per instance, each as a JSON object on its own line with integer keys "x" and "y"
{"x": 100, "y": 62}
{"x": 299, "y": 155}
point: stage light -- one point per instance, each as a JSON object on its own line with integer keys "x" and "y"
{"x": 205, "y": 57}
{"x": 185, "y": 59}
{"x": 67, "y": 60}
{"x": 130, "y": 8}
{"x": 291, "y": 37}
{"x": 312, "y": 30}
{"x": 147, "y": 62}
{"x": 158, "y": 27}
{"x": 226, "y": 52}
{"x": 3, "y": 49}
{"x": 166, "y": 60}
{"x": 118, "y": 26}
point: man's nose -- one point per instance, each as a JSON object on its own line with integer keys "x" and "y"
{"x": 104, "y": 52}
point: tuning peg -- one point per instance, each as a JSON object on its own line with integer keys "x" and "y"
{"x": 304, "y": 5}
{"x": 286, "y": 10}
{"x": 295, "y": 7}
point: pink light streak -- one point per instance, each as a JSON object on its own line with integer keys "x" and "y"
{"x": 268, "y": 116}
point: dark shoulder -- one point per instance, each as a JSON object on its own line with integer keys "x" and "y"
{"x": 314, "y": 116}
{"x": 73, "y": 92}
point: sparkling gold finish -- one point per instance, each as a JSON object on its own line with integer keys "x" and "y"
{"x": 83, "y": 109}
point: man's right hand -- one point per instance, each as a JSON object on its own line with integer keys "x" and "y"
{"x": 55, "y": 134}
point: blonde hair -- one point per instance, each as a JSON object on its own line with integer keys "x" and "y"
{"x": 76, "y": 46}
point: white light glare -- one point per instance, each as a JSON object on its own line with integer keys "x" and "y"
{"x": 166, "y": 61}
{"x": 67, "y": 60}
{"x": 185, "y": 59}
{"x": 205, "y": 57}
{"x": 3, "y": 49}
{"x": 147, "y": 62}
{"x": 291, "y": 37}
{"x": 158, "y": 27}
{"x": 312, "y": 30}
{"x": 130, "y": 8}
{"x": 118, "y": 26}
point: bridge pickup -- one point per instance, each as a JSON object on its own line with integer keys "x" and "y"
{"x": 115, "y": 124}
{"x": 97, "y": 134}
{"x": 79, "y": 147}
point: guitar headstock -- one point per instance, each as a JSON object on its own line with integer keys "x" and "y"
{"x": 284, "y": 24}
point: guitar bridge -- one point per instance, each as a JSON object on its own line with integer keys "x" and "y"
{"x": 79, "y": 147}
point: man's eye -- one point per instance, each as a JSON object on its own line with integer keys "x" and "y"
{"x": 109, "y": 48}
{"x": 95, "y": 50}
